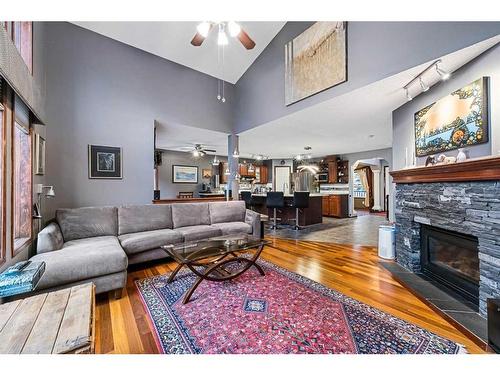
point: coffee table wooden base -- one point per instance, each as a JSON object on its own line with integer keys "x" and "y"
{"x": 215, "y": 269}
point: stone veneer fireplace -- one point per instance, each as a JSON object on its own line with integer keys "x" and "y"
{"x": 461, "y": 201}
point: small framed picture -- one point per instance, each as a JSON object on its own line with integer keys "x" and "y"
{"x": 206, "y": 173}
{"x": 39, "y": 154}
{"x": 105, "y": 162}
{"x": 184, "y": 174}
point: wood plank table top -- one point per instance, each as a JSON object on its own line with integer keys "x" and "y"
{"x": 50, "y": 323}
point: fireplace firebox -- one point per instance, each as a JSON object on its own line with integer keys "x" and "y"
{"x": 452, "y": 259}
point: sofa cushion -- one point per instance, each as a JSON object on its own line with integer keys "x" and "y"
{"x": 82, "y": 259}
{"x": 190, "y": 214}
{"x": 225, "y": 212}
{"x": 142, "y": 218}
{"x": 198, "y": 232}
{"x": 233, "y": 227}
{"x": 77, "y": 223}
{"x": 134, "y": 243}
{"x": 49, "y": 239}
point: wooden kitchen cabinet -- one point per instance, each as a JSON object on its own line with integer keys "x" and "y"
{"x": 332, "y": 172}
{"x": 222, "y": 172}
{"x": 336, "y": 205}
{"x": 243, "y": 169}
{"x": 263, "y": 174}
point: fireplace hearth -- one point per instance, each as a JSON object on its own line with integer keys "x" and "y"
{"x": 459, "y": 199}
{"x": 452, "y": 259}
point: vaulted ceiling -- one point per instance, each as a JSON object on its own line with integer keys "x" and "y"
{"x": 171, "y": 40}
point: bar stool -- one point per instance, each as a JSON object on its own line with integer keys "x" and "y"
{"x": 275, "y": 200}
{"x": 300, "y": 201}
{"x": 247, "y": 197}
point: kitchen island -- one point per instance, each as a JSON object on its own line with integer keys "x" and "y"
{"x": 307, "y": 216}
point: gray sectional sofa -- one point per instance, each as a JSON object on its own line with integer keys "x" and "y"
{"x": 98, "y": 243}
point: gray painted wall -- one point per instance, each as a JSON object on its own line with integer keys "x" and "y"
{"x": 402, "y": 118}
{"x": 376, "y": 50}
{"x": 100, "y": 91}
{"x": 170, "y": 190}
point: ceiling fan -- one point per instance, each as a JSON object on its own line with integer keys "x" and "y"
{"x": 198, "y": 150}
{"x": 235, "y": 31}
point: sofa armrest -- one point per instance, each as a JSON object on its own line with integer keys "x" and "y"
{"x": 253, "y": 218}
{"x": 50, "y": 239}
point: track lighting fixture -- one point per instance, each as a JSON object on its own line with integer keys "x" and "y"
{"x": 408, "y": 96}
{"x": 442, "y": 73}
{"x": 423, "y": 86}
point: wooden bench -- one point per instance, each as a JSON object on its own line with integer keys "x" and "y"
{"x": 57, "y": 322}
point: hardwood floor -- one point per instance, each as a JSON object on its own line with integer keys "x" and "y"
{"x": 122, "y": 326}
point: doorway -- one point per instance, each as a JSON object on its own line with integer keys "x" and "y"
{"x": 368, "y": 188}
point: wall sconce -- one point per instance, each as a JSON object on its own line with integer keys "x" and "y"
{"x": 39, "y": 190}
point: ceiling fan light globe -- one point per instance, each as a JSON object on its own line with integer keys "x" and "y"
{"x": 203, "y": 28}
{"x": 233, "y": 28}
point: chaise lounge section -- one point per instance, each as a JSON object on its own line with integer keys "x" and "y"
{"x": 98, "y": 243}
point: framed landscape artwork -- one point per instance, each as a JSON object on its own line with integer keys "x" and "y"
{"x": 184, "y": 174}
{"x": 39, "y": 154}
{"x": 105, "y": 162}
{"x": 457, "y": 120}
{"x": 315, "y": 60}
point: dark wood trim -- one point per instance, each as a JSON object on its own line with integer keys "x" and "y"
{"x": 3, "y": 218}
{"x": 189, "y": 200}
{"x": 483, "y": 169}
{"x": 470, "y": 335}
{"x": 17, "y": 250}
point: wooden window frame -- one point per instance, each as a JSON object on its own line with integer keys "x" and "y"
{"x": 3, "y": 252}
{"x": 13, "y": 38}
{"x": 17, "y": 248}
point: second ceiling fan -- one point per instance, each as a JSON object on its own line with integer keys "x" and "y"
{"x": 235, "y": 31}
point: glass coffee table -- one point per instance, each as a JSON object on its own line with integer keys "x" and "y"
{"x": 216, "y": 259}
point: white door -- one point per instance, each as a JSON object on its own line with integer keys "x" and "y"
{"x": 282, "y": 179}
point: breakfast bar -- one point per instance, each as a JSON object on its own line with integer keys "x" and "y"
{"x": 308, "y": 216}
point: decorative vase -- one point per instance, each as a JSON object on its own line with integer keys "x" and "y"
{"x": 461, "y": 155}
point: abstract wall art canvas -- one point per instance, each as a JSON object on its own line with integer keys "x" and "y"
{"x": 105, "y": 162}
{"x": 183, "y": 174}
{"x": 315, "y": 60}
{"x": 457, "y": 120}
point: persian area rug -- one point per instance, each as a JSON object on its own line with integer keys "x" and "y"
{"x": 281, "y": 312}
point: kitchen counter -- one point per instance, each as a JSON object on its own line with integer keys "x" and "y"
{"x": 311, "y": 195}
{"x": 202, "y": 195}
{"x": 307, "y": 216}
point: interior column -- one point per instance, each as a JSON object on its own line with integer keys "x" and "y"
{"x": 376, "y": 190}
{"x": 233, "y": 184}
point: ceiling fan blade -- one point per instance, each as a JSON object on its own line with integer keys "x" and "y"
{"x": 197, "y": 40}
{"x": 247, "y": 42}
{"x": 208, "y": 150}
